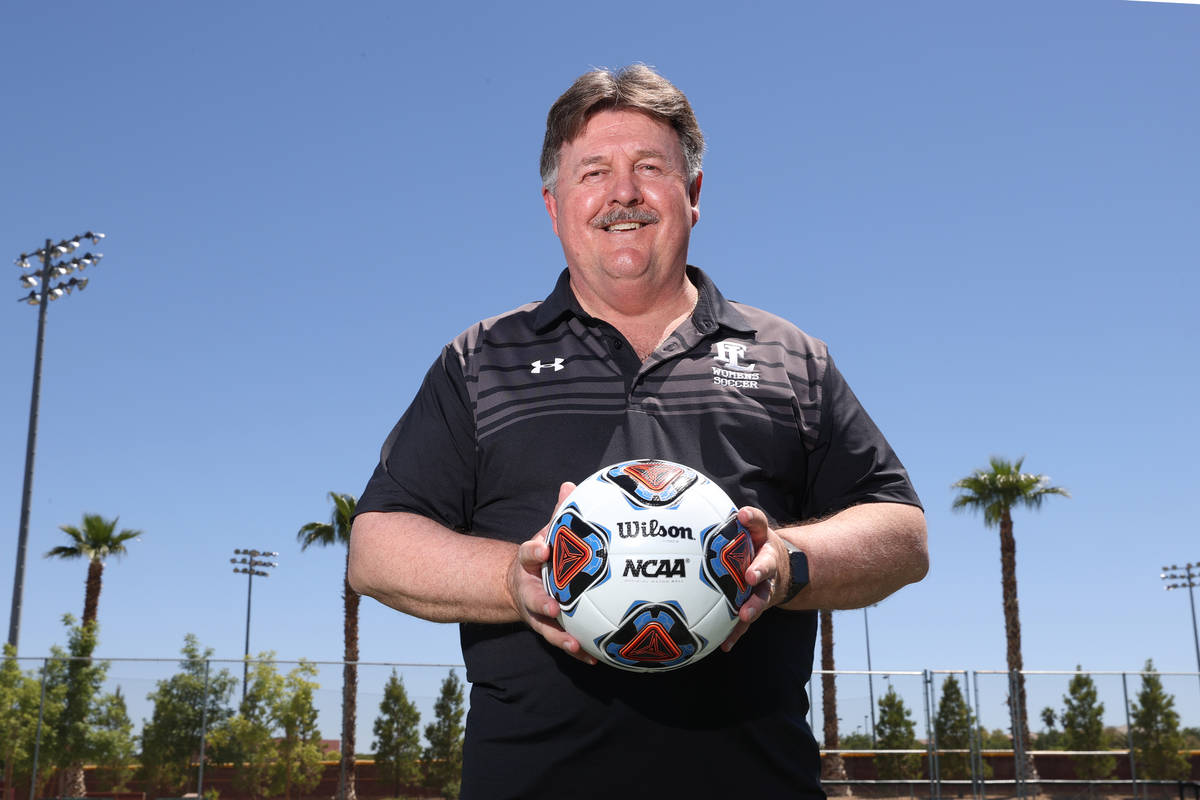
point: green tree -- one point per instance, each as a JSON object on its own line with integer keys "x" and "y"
{"x": 172, "y": 735}
{"x": 855, "y": 741}
{"x": 113, "y": 746}
{"x": 1083, "y": 727}
{"x": 443, "y": 756}
{"x": 1157, "y": 739}
{"x": 71, "y": 675}
{"x": 295, "y": 717}
{"x": 336, "y": 532}
{"x": 397, "y": 742}
{"x": 995, "y": 739}
{"x": 952, "y": 726}
{"x": 246, "y": 739}
{"x": 95, "y": 541}
{"x": 896, "y": 730}
{"x": 1050, "y": 738}
{"x": 80, "y": 724}
{"x": 996, "y": 492}
{"x": 20, "y": 694}
{"x": 273, "y": 740}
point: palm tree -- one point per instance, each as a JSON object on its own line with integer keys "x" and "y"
{"x": 833, "y": 767}
{"x": 996, "y": 492}
{"x": 95, "y": 541}
{"x": 337, "y": 532}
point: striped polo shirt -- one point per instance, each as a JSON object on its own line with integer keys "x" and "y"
{"x": 545, "y": 393}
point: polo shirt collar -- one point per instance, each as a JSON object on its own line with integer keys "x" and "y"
{"x": 712, "y": 310}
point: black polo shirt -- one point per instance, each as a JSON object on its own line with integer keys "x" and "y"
{"x": 546, "y": 393}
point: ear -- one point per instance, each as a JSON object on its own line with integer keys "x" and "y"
{"x": 694, "y": 196}
{"x": 552, "y": 208}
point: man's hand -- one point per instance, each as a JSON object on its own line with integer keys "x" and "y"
{"x": 769, "y": 572}
{"x": 528, "y": 594}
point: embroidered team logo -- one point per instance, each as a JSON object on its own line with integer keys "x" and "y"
{"x": 650, "y": 483}
{"x": 729, "y": 354}
{"x": 538, "y": 366}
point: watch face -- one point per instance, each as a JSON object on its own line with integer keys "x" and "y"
{"x": 799, "y": 578}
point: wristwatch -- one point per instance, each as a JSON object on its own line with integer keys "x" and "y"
{"x": 799, "y": 570}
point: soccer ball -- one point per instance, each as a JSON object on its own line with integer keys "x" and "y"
{"x": 648, "y": 564}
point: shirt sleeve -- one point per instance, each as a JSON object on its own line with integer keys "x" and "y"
{"x": 427, "y": 463}
{"x": 852, "y": 462}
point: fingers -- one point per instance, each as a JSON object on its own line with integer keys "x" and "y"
{"x": 533, "y": 553}
{"x": 538, "y": 609}
{"x": 755, "y": 521}
{"x": 762, "y": 573}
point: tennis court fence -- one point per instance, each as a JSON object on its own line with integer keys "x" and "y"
{"x": 146, "y": 728}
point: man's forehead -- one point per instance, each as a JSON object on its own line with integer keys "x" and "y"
{"x": 639, "y": 134}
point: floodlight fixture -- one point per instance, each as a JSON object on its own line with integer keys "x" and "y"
{"x": 1190, "y": 578}
{"x": 250, "y": 558}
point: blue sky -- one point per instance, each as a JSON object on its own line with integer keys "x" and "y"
{"x": 988, "y": 211}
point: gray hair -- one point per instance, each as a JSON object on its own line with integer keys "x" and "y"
{"x": 635, "y": 87}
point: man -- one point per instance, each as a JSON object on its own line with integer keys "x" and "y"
{"x": 633, "y": 355}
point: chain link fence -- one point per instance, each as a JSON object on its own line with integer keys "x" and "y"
{"x": 896, "y": 735}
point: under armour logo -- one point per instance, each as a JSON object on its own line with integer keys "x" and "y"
{"x": 538, "y": 366}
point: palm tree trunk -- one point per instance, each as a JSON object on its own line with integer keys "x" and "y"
{"x": 91, "y": 594}
{"x": 9, "y": 790}
{"x": 1012, "y": 632}
{"x": 833, "y": 767}
{"x": 349, "y": 682}
{"x": 73, "y": 784}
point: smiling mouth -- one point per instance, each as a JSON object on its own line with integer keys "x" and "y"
{"x": 619, "y": 220}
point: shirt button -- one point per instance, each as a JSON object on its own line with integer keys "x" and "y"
{"x": 670, "y": 347}
{"x": 616, "y": 343}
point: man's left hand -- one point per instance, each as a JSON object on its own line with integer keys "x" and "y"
{"x": 769, "y": 572}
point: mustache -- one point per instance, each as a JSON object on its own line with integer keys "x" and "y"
{"x": 624, "y": 215}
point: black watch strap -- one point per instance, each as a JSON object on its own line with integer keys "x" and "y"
{"x": 799, "y": 570}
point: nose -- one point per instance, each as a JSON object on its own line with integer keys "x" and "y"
{"x": 626, "y": 190}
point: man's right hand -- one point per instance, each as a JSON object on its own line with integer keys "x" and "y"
{"x": 528, "y": 594}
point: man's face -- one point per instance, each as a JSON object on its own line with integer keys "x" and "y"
{"x": 622, "y": 206}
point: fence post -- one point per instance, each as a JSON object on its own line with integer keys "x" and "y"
{"x": 976, "y": 726}
{"x": 972, "y": 735}
{"x": 1129, "y": 735}
{"x": 203, "y": 731}
{"x": 37, "y": 740}
{"x": 935, "y": 781}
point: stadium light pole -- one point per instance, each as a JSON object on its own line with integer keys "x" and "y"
{"x": 1190, "y": 581}
{"x": 54, "y": 265}
{"x": 252, "y": 564}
